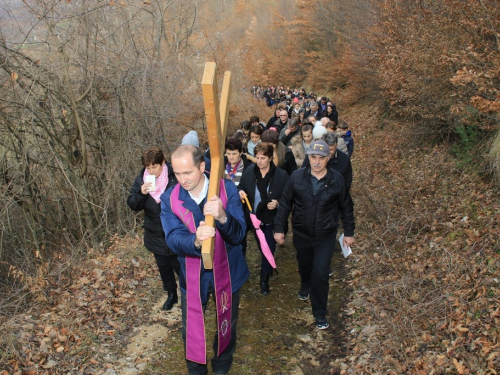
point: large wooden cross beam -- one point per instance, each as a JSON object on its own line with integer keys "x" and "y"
{"x": 216, "y": 117}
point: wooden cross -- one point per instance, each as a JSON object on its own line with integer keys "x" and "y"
{"x": 216, "y": 116}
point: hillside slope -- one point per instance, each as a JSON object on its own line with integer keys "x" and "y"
{"x": 419, "y": 295}
{"x": 426, "y": 265}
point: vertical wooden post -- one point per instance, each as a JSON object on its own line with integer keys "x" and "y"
{"x": 216, "y": 117}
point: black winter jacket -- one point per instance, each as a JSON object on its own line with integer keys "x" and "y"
{"x": 288, "y": 164}
{"x": 276, "y": 187}
{"x": 318, "y": 114}
{"x": 154, "y": 237}
{"x": 334, "y": 116}
{"x": 341, "y": 163}
{"x": 315, "y": 216}
{"x": 271, "y": 121}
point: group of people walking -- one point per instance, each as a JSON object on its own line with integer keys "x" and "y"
{"x": 291, "y": 164}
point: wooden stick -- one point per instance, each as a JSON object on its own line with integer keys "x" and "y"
{"x": 248, "y": 203}
{"x": 216, "y": 117}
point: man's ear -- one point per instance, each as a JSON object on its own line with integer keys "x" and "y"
{"x": 202, "y": 167}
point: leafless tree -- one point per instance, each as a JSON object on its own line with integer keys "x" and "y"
{"x": 85, "y": 87}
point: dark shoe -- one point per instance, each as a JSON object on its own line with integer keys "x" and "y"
{"x": 303, "y": 293}
{"x": 321, "y": 322}
{"x": 330, "y": 272}
{"x": 264, "y": 284}
{"x": 171, "y": 300}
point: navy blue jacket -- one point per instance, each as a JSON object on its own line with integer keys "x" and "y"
{"x": 181, "y": 241}
{"x": 349, "y": 142}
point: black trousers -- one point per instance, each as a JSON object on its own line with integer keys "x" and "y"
{"x": 220, "y": 364}
{"x": 167, "y": 265}
{"x": 244, "y": 241}
{"x": 314, "y": 257}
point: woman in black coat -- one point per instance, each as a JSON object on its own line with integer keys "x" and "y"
{"x": 263, "y": 184}
{"x": 145, "y": 195}
{"x": 331, "y": 113}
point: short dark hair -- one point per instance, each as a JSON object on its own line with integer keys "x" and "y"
{"x": 270, "y": 136}
{"x": 152, "y": 155}
{"x": 233, "y": 144}
{"x": 331, "y": 125}
{"x": 306, "y": 128}
{"x": 294, "y": 122}
{"x": 238, "y": 134}
{"x": 344, "y": 125}
{"x": 256, "y": 129}
{"x": 307, "y": 122}
{"x": 246, "y": 124}
{"x": 264, "y": 148}
{"x": 254, "y": 118}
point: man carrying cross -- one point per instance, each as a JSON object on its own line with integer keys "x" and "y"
{"x": 184, "y": 208}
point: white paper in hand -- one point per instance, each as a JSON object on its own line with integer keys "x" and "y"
{"x": 346, "y": 250}
{"x": 151, "y": 178}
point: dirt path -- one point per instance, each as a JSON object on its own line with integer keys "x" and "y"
{"x": 276, "y": 333}
{"x": 108, "y": 320}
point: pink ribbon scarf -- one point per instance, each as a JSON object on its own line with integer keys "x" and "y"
{"x": 195, "y": 323}
{"x": 161, "y": 183}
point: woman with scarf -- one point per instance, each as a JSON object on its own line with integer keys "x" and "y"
{"x": 235, "y": 160}
{"x": 263, "y": 184}
{"x": 145, "y": 196}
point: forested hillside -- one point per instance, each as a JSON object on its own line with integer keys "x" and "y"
{"x": 87, "y": 85}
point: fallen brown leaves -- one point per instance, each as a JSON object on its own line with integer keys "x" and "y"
{"x": 84, "y": 319}
{"x": 424, "y": 274}
{"x": 426, "y": 266}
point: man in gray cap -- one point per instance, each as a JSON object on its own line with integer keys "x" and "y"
{"x": 318, "y": 197}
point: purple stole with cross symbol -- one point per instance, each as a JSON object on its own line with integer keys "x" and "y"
{"x": 195, "y": 323}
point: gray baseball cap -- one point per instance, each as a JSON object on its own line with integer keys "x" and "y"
{"x": 318, "y": 148}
